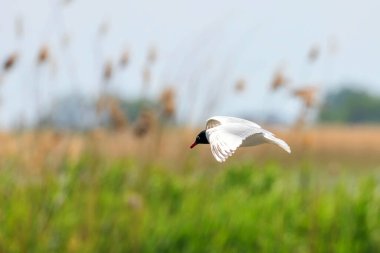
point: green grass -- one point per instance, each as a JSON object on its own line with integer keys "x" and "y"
{"x": 96, "y": 205}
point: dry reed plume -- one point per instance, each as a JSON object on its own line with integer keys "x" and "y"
{"x": 10, "y": 62}
{"x": 145, "y": 123}
{"x": 313, "y": 53}
{"x": 118, "y": 118}
{"x": 168, "y": 102}
{"x": 146, "y": 75}
{"x": 107, "y": 71}
{"x": 240, "y": 85}
{"x": 307, "y": 94}
{"x": 124, "y": 59}
{"x": 279, "y": 80}
{"x": 152, "y": 55}
{"x": 112, "y": 107}
{"x": 43, "y": 55}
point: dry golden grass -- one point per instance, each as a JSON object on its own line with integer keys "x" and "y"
{"x": 43, "y": 151}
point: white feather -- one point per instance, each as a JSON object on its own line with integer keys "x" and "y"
{"x": 226, "y": 134}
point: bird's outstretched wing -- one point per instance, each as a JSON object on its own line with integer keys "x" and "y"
{"x": 271, "y": 138}
{"x": 226, "y": 138}
{"x": 221, "y": 120}
{"x": 226, "y": 134}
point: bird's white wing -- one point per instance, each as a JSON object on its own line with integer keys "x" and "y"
{"x": 268, "y": 137}
{"x": 221, "y": 120}
{"x": 226, "y": 138}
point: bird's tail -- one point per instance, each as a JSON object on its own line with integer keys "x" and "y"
{"x": 277, "y": 141}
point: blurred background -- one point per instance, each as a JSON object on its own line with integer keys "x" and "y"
{"x": 100, "y": 100}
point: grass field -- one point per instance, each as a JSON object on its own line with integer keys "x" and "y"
{"x": 112, "y": 192}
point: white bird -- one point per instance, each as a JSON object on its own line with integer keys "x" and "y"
{"x": 226, "y": 134}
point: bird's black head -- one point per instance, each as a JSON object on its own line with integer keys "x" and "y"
{"x": 200, "y": 139}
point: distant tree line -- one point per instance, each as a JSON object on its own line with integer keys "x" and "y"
{"x": 346, "y": 105}
{"x": 349, "y": 105}
{"x": 77, "y": 112}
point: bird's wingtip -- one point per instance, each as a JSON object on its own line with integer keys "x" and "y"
{"x": 287, "y": 148}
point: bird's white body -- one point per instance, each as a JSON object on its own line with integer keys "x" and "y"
{"x": 226, "y": 134}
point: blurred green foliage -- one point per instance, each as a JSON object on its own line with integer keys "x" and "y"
{"x": 351, "y": 106}
{"x": 95, "y": 205}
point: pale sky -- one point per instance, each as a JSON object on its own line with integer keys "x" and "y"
{"x": 203, "y": 47}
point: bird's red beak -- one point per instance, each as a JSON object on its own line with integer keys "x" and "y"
{"x": 193, "y": 145}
